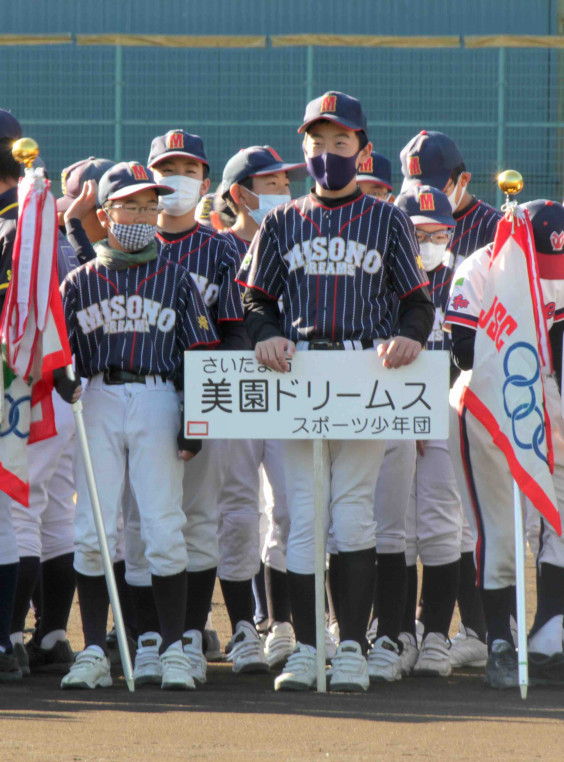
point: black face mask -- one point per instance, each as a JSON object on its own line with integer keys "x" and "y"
{"x": 331, "y": 171}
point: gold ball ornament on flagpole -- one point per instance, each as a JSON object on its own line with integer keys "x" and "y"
{"x": 510, "y": 182}
{"x": 25, "y": 151}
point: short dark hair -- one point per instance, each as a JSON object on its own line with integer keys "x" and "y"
{"x": 10, "y": 169}
{"x": 456, "y": 172}
{"x": 362, "y": 137}
{"x": 229, "y": 200}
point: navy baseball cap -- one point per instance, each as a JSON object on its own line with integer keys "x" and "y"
{"x": 74, "y": 177}
{"x": 9, "y": 125}
{"x": 426, "y": 206}
{"x": 429, "y": 158}
{"x": 256, "y": 161}
{"x": 338, "y": 108}
{"x": 377, "y": 169}
{"x": 124, "y": 179}
{"x": 177, "y": 143}
{"x": 547, "y": 221}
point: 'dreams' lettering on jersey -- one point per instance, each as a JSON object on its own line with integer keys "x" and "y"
{"x": 139, "y": 319}
{"x": 473, "y": 231}
{"x": 336, "y": 269}
{"x": 120, "y": 314}
{"x": 213, "y": 264}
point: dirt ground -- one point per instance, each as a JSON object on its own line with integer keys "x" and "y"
{"x": 241, "y": 718}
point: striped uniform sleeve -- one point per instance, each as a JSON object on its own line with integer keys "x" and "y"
{"x": 267, "y": 271}
{"x": 467, "y": 290}
{"x": 229, "y": 304}
{"x": 68, "y": 297}
{"x": 405, "y": 265}
{"x": 194, "y": 326}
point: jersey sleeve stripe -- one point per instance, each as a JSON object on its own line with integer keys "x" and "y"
{"x": 258, "y": 288}
{"x": 419, "y": 285}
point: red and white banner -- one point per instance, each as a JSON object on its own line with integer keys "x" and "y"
{"x": 33, "y": 333}
{"x": 511, "y": 352}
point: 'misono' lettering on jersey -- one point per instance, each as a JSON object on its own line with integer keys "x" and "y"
{"x": 208, "y": 291}
{"x": 121, "y": 315}
{"x": 332, "y": 256}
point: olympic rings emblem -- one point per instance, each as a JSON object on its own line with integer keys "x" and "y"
{"x": 529, "y": 407}
{"x": 14, "y": 417}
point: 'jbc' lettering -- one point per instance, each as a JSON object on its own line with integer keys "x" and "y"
{"x": 333, "y": 256}
{"x": 497, "y": 322}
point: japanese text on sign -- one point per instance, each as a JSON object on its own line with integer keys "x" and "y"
{"x": 328, "y": 395}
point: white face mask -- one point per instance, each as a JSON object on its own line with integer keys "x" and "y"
{"x": 267, "y": 201}
{"x": 452, "y": 195}
{"x": 432, "y": 254}
{"x": 185, "y": 197}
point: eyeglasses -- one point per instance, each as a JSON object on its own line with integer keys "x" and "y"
{"x": 440, "y": 237}
{"x": 133, "y": 209}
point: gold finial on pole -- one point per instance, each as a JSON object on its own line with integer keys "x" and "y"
{"x": 511, "y": 183}
{"x": 25, "y": 151}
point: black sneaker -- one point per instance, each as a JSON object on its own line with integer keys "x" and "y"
{"x": 57, "y": 660}
{"x": 9, "y": 668}
{"x": 22, "y": 657}
{"x": 501, "y": 667}
{"x": 546, "y": 670}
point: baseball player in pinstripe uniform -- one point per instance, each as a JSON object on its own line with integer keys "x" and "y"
{"x": 484, "y": 477}
{"x": 335, "y": 257}
{"x": 179, "y": 157}
{"x": 433, "y": 517}
{"x": 131, "y": 315}
{"x": 255, "y": 180}
{"x": 433, "y": 158}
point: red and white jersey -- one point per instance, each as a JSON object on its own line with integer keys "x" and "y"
{"x": 467, "y": 292}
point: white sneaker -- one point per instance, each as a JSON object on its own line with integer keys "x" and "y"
{"x": 280, "y": 643}
{"x": 349, "y": 669}
{"x": 247, "y": 652}
{"x": 213, "y": 646}
{"x": 192, "y": 647}
{"x": 176, "y": 670}
{"x": 434, "y": 656}
{"x": 300, "y": 672}
{"x": 410, "y": 652}
{"x": 331, "y": 644}
{"x": 147, "y": 669}
{"x": 91, "y": 669}
{"x": 384, "y": 662}
{"x": 467, "y": 650}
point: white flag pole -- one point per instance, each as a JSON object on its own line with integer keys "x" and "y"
{"x": 102, "y": 539}
{"x": 320, "y": 551}
{"x": 520, "y": 585}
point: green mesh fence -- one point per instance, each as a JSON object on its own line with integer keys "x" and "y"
{"x": 503, "y": 106}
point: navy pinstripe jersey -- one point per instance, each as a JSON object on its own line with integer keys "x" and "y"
{"x": 336, "y": 269}
{"x": 213, "y": 265}
{"x": 66, "y": 257}
{"x": 140, "y": 319}
{"x": 239, "y": 244}
{"x": 474, "y": 230}
{"x": 440, "y": 281}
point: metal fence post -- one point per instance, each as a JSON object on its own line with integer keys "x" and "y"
{"x": 309, "y": 94}
{"x": 118, "y": 102}
{"x": 500, "y": 119}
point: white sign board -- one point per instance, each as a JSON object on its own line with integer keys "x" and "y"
{"x": 325, "y": 395}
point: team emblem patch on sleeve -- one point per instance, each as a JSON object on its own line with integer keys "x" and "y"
{"x": 246, "y": 260}
{"x": 419, "y": 261}
{"x": 203, "y": 322}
